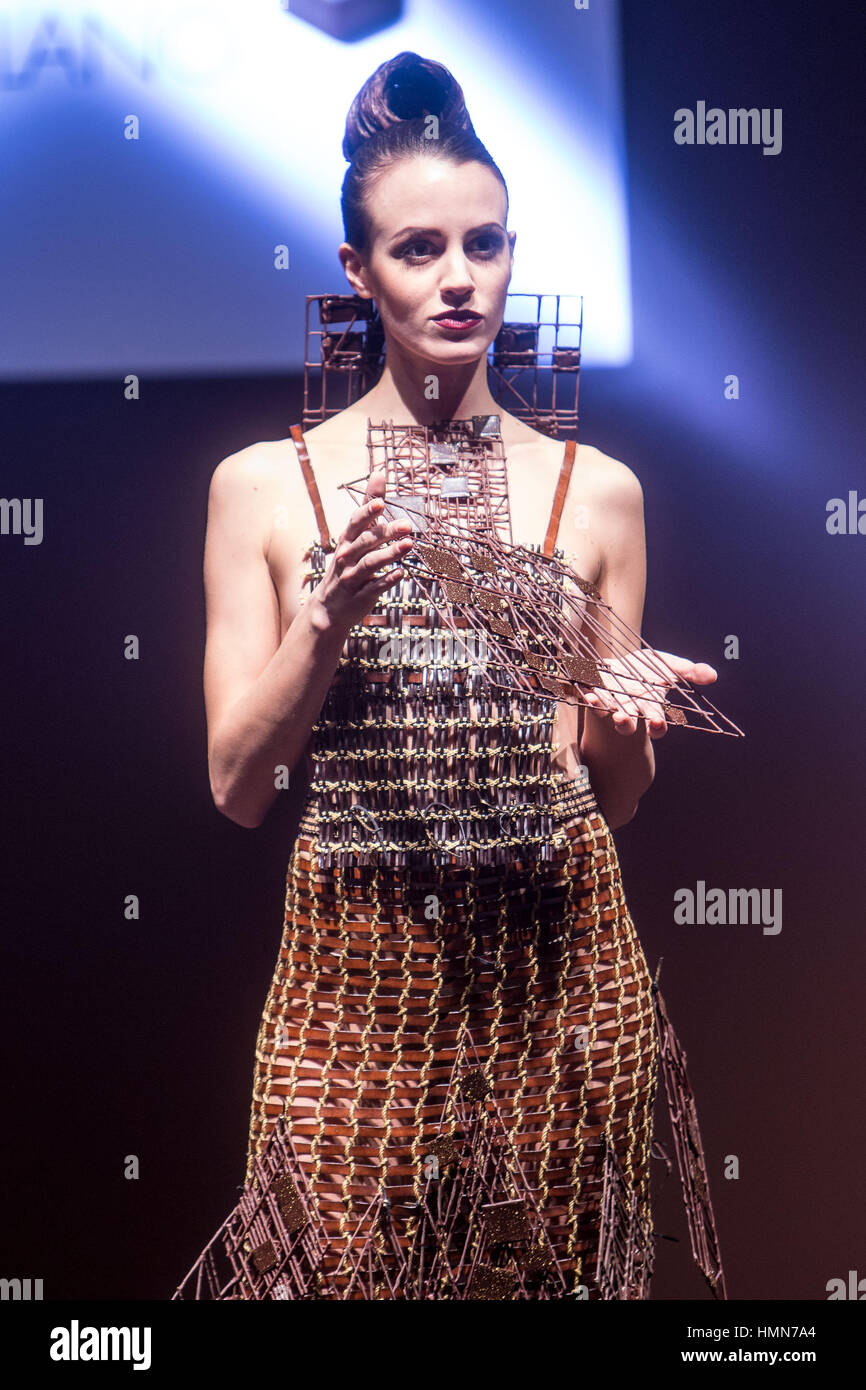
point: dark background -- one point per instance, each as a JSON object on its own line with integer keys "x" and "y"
{"x": 138, "y": 1037}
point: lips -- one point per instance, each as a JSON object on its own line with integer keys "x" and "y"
{"x": 457, "y": 318}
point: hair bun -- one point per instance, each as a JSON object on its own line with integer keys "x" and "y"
{"x": 404, "y": 88}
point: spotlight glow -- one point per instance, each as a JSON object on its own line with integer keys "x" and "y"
{"x": 248, "y": 103}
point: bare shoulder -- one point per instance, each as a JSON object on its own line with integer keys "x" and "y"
{"x": 255, "y": 509}
{"x": 595, "y": 469}
{"x": 256, "y": 484}
{"x": 251, "y": 469}
{"x": 595, "y": 475}
{"x": 608, "y": 478}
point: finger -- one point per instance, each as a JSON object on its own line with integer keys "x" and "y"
{"x": 370, "y": 594}
{"x": 601, "y": 700}
{"x": 698, "y": 671}
{"x": 373, "y": 537}
{"x": 680, "y": 664}
{"x": 371, "y": 560}
{"x": 366, "y": 516}
{"x": 395, "y": 530}
{"x": 657, "y": 725}
{"x": 626, "y": 712}
{"x": 593, "y": 700}
{"x": 622, "y": 698}
{"x": 376, "y": 483}
{"x": 653, "y": 716}
{"x": 651, "y": 710}
{"x": 376, "y": 534}
{"x": 380, "y": 583}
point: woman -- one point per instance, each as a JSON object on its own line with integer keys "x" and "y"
{"x": 395, "y": 985}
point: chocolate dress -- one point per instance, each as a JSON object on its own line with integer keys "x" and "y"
{"x": 459, "y": 1035}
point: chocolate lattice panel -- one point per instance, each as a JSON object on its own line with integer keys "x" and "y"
{"x": 625, "y": 1245}
{"x": 465, "y": 459}
{"x": 548, "y": 631}
{"x": 690, "y": 1152}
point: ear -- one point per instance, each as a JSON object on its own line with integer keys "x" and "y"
{"x": 512, "y": 237}
{"x": 355, "y": 270}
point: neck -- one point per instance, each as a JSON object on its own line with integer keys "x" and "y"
{"x": 404, "y": 391}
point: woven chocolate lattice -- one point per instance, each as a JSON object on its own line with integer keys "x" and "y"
{"x": 377, "y": 987}
{"x": 414, "y": 755}
{"x": 414, "y": 760}
{"x": 476, "y": 1233}
{"x": 480, "y": 1233}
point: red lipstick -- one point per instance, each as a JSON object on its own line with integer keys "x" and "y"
{"x": 459, "y": 319}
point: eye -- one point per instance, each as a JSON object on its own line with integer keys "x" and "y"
{"x": 493, "y": 246}
{"x": 416, "y": 250}
{"x": 486, "y": 245}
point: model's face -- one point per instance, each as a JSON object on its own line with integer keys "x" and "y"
{"x": 438, "y": 245}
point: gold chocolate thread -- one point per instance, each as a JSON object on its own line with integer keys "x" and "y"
{"x": 428, "y": 1046}
{"x": 558, "y": 1042}
{"x": 566, "y": 938}
{"x": 311, "y": 988}
{"x": 343, "y": 898}
{"x": 258, "y": 1118}
{"x": 469, "y": 983}
{"x": 501, "y": 937}
{"x": 529, "y": 1013}
{"x": 397, "y": 1064}
{"x": 645, "y": 1025}
{"x": 624, "y": 934}
{"x": 580, "y": 1126}
{"x": 620, "y": 1027}
{"x": 626, "y": 929}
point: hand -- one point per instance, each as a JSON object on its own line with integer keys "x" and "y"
{"x": 623, "y": 698}
{"x": 352, "y": 585}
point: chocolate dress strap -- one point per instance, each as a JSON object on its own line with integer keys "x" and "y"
{"x": 312, "y": 487}
{"x": 559, "y": 499}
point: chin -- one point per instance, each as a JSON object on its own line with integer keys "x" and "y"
{"x": 456, "y": 351}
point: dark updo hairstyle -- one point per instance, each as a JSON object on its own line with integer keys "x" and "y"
{"x": 386, "y": 122}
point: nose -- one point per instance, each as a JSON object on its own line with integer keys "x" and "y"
{"x": 456, "y": 281}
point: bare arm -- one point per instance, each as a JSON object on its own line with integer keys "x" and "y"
{"x": 617, "y": 749}
{"x": 263, "y": 694}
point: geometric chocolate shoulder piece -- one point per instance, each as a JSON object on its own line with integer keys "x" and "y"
{"x": 533, "y": 363}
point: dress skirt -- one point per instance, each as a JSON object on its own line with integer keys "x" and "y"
{"x": 405, "y": 1006}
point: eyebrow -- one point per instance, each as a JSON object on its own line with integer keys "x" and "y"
{"x": 434, "y": 231}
